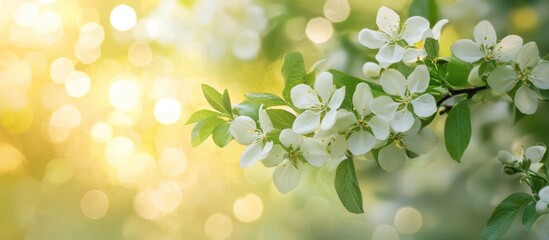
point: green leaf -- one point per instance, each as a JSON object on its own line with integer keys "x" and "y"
{"x": 504, "y": 214}
{"x": 281, "y": 119}
{"x": 202, "y": 115}
{"x": 204, "y": 129}
{"x": 346, "y": 185}
{"x": 349, "y": 82}
{"x": 221, "y": 135}
{"x": 529, "y": 216}
{"x": 267, "y": 99}
{"x": 294, "y": 73}
{"x": 425, "y": 8}
{"x": 431, "y": 47}
{"x": 214, "y": 98}
{"x": 227, "y": 103}
{"x": 247, "y": 108}
{"x": 457, "y": 130}
{"x": 457, "y": 72}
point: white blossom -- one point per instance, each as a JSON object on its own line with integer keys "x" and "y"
{"x": 533, "y": 153}
{"x": 244, "y": 130}
{"x": 418, "y": 52}
{"x": 325, "y": 98}
{"x": 541, "y": 205}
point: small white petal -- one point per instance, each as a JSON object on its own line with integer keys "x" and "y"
{"x": 507, "y": 49}
{"x": 304, "y": 97}
{"x": 393, "y": 82}
{"x": 535, "y": 153}
{"x": 535, "y": 167}
{"x": 422, "y": 142}
{"x": 243, "y": 130}
{"x": 403, "y": 121}
{"x": 467, "y": 50}
{"x": 437, "y": 29}
{"x": 361, "y": 142}
{"x": 526, "y": 100}
{"x": 544, "y": 193}
{"x": 418, "y": 81}
{"x": 371, "y": 39}
{"x": 286, "y": 177}
{"x": 412, "y": 55}
{"x": 485, "y": 33}
{"x": 415, "y": 27}
{"x": 506, "y": 157}
{"x": 380, "y": 127}
{"x": 424, "y": 105}
{"x": 390, "y": 53}
{"x": 337, "y": 98}
{"x": 251, "y": 154}
{"x": 414, "y": 129}
{"x": 338, "y": 149}
{"x": 541, "y": 207}
{"x": 307, "y": 122}
{"x": 362, "y": 98}
{"x": 540, "y": 76}
{"x": 266, "y": 149}
{"x": 265, "y": 121}
{"x": 314, "y": 152}
{"x": 502, "y": 79}
{"x": 290, "y": 139}
{"x": 385, "y": 107}
{"x": 387, "y": 20}
{"x": 324, "y": 85}
{"x": 344, "y": 120}
{"x": 329, "y": 120}
{"x": 275, "y": 156}
{"x": 528, "y": 55}
{"x": 325, "y": 137}
{"x": 371, "y": 69}
{"x": 474, "y": 78}
{"x": 391, "y": 158}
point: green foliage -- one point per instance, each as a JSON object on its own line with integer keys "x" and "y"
{"x": 294, "y": 73}
{"x": 281, "y": 118}
{"x": 529, "y": 216}
{"x": 425, "y": 8}
{"x": 221, "y": 135}
{"x": 202, "y": 115}
{"x": 204, "y": 129}
{"x": 457, "y": 72}
{"x": 431, "y": 47}
{"x": 504, "y": 214}
{"x": 349, "y": 82}
{"x": 346, "y": 185}
{"x": 214, "y": 98}
{"x": 247, "y": 108}
{"x": 267, "y": 99}
{"x": 227, "y": 103}
{"x": 457, "y": 130}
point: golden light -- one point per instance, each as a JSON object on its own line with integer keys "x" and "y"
{"x": 218, "y": 226}
{"x": 248, "y": 208}
{"x": 408, "y": 220}
{"x": 66, "y": 116}
{"x": 101, "y": 132}
{"x": 94, "y": 204}
{"x": 140, "y": 54}
{"x": 49, "y": 28}
{"x": 525, "y": 18}
{"x": 124, "y": 93}
{"x": 172, "y": 162}
{"x": 91, "y": 35}
{"x": 247, "y": 45}
{"x": 167, "y": 111}
{"x": 337, "y": 10}
{"x": 319, "y": 30}
{"x": 118, "y": 151}
{"x": 78, "y": 84}
{"x": 123, "y": 17}
{"x": 60, "y": 69}
{"x": 11, "y": 158}
{"x": 58, "y": 171}
{"x": 27, "y": 14}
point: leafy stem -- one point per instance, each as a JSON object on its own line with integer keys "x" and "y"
{"x": 469, "y": 91}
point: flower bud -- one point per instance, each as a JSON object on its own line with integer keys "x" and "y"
{"x": 510, "y": 170}
{"x": 371, "y": 69}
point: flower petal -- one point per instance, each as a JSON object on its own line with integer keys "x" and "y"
{"x": 304, "y": 97}
{"x": 344, "y": 120}
{"x": 329, "y": 120}
{"x": 243, "y": 130}
{"x": 418, "y": 81}
{"x": 362, "y": 98}
{"x": 403, "y": 121}
{"x": 507, "y": 49}
{"x": 437, "y": 29}
{"x": 371, "y": 39}
{"x": 380, "y": 127}
{"x": 265, "y": 121}
{"x": 286, "y": 177}
{"x": 528, "y": 55}
{"x": 506, "y": 157}
{"x": 412, "y": 55}
{"x": 361, "y": 142}
{"x": 544, "y": 194}
{"x": 467, "y": 50}
{"x": 390, "y": 53}
{"x": 541, "y": 207}
{"x": 324, "y": 85}
{"x": 371, "y": 69}
{"x": 535, "y": 153}
{"x": 502, "y": 79}
{"x": 338, "y": 149}
{"x": 424, "y": 105}
{"x": 275, "y": 156}
{"x": 307, "y": 122}
{"x": 290, "y": 139}
{"x": 485, "y": 33}
{"x": 387, "y": 20}
{"x": 473, "y": 78}
{"x": 337, "y": 98}
{"x": 526, "y": 100}
{"x": 251, "y": 154}
{"x": 415, "y": 27}
{"x": 314, "y": 152}
{"x": 540, "y": 76}
{"x": 391, "y": 158}
{"x": 393, "y": 82}
{"x": 385, "y": 107}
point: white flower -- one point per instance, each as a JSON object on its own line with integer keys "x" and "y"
{"x": 323, "y": 99}
{"x": 363, "y": 123}
{"x": 412, "y": 55}
{"x": 290, "y": 156}
{"x": 245, "y": 131}
{"x": 393, "y": 37}
{"x": 533, "y": 153}
{"x": 541, "y": 205}
{"x": 486, "y": 46}
{"x": 529, "y": 70}
{"x": 336, "y": 145}
{"x": 371, "y": 69}
{"x": 408, "y": 91}
{"x": 474, "y": 78}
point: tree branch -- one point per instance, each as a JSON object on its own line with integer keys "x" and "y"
{"x": 469, "y": 91}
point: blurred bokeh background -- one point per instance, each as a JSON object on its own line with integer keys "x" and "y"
{"x": 94, "y": 96}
